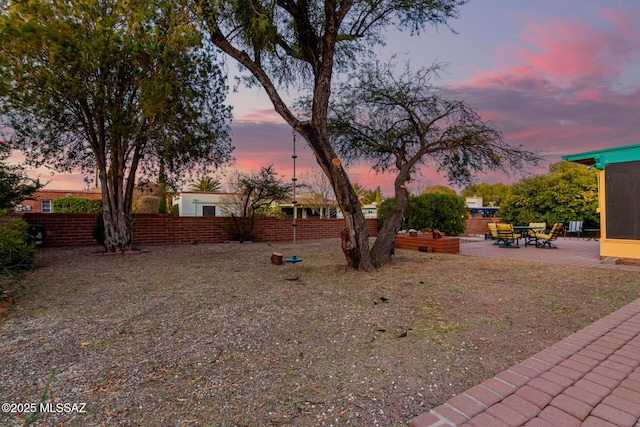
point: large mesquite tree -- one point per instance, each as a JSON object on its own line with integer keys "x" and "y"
{"x": 114, "y": 87}
{"x": 301, "y": 43}
{"x": 398, "y": 121}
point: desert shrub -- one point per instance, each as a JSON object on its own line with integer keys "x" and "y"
{"x": 148, "y": 205}
{"x": 76, "y": 205}
{"x": 271, "y": 211}
{"x": 16, "y": 248}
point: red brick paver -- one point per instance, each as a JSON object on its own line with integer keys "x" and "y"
{"x": 590, "y": 379}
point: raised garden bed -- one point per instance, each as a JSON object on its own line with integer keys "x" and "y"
{"x": 443, "y": 245}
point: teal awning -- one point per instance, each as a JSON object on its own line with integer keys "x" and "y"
{"x": 600, "y": 158}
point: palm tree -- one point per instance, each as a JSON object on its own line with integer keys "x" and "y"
{"x": 206, "y": 183}
{"x": 360, "y": 192}
{"x": 373, "y": 196}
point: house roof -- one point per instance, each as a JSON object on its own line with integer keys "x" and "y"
{"x": 600, "y": 158}
{"x": 202, "y": 192}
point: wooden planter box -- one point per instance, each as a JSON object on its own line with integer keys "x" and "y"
{"x": 444, "y": 245}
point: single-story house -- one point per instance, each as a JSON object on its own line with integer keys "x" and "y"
{"x": 477, "y": 209}
{"x": 618, "y": 199}
{"x": 42, "y": 200}
{"x": 202, "y": 203}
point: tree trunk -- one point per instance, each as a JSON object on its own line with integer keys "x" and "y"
{"x": 355, "y": 236}
{"x": 384, "y": 247}
{"x": 116, "y": 206}
{"x": 117, "y": 230}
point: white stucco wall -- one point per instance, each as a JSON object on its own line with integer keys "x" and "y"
{"x": 192, "y": 203}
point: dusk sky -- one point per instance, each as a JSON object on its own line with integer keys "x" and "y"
{"x": 555, "y": 76}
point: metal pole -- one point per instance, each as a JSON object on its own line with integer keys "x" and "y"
{"x": 294, "y": 179}
{"x": 294, "y": 202}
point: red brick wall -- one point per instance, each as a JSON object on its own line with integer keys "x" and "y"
{"x": 75, "y": 229}
{"x": 70, "y": 229}
{"x": 478, "y": 225}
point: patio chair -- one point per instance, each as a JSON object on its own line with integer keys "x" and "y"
{"x": 494, "y": 232}
{"x": 536, "y": 227}
{"x": 508, "y": 237}
{"x": 545, "y": 239}
{"x": 574, "y": 227}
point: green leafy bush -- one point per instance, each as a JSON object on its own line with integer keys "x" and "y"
{"x": 16, "y": 249}
{"x": 568, "y": 192}
{"x": 271, "y": 211}
{"x": 384, "y": 208}
{"x": 77, "y": 205}
{"x": 445, "y": 212}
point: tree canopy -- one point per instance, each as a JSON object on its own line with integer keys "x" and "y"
{"x": 398, "y": 121}
{"x": 112, "y": 86}
{"x": 439, "y": 189}
{"x": 568, "y": 192}
{"x": 206, "y": 183}
{"x": 15, "y": 186}
{"x": 492, "y": 194}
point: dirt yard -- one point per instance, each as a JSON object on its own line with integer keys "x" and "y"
{"x": 215, "y": 335}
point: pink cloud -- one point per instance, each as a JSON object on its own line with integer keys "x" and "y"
{"x": 267, "y": 115}
{"x": 560, "y": 87}
{"x": 567, "y": 51}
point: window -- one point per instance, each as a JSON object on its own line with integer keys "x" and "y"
{"x": 208, "y": 211}
{"x": 47, "y": 206}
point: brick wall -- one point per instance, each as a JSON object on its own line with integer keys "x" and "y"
{"x": 478, "y": 225}
{"x": 75, "y": 229}
{"x": 71, "y": 229}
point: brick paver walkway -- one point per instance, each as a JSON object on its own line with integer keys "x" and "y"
{"x": 590, "y": 379}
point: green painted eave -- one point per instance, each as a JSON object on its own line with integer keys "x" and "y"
{"x": 600, "y": 158}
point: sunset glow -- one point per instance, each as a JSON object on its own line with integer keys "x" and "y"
{"x": 555, "y": 77}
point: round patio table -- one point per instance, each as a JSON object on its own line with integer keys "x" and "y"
{"x": 524, "y": 233}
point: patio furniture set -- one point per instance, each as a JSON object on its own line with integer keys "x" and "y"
{"x": 536, "y": 233}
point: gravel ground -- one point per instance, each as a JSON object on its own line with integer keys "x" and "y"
{"x": 215, "y": 335}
